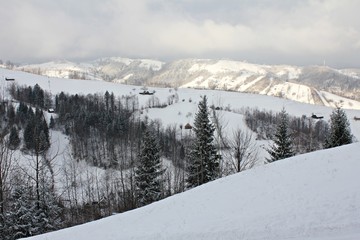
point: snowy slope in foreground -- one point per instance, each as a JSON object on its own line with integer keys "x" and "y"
{"x": 311, "y": 196}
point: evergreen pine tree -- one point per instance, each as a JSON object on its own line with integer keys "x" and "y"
{"x": 22, "y": 112}
{"x": 107, "y": 98}
{"x": 148, "y": 173}
{"x": 14, "y": 140}
{"x": 11, "y": 114}
{"x": 340, "y": 132}
{"x": 36, "y": 133}
{"x": 29, "y": 134}
{"x": 203, "y": 159}
{"x": 27, "y": 217}
{"x": 52, "y": 122}
{"x": 48, "y": 215}
{"x": 282, "y": 147}
{"x": 20, "y": 218}
{"x": 45, "y": 130}
{"x": 38, "y": 96}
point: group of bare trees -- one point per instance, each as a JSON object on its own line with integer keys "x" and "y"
{"x": 239, "y": 149}
{"x": 6, "y": 166}
{"x": 307, "y": 134}
{"x": 8, "y": 64}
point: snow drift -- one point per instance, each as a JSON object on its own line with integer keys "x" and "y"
{"x": 310, "y": 196}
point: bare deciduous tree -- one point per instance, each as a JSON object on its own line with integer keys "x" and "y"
{"x": 219, "y": 123}
{"x": 244, "y": 150}
{"x": 6, "y": 160}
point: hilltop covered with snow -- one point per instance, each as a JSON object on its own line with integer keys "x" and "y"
{"x": 114, "y": 69}
{"x": 310, "y": 84}
{"x": 313, "y": 196}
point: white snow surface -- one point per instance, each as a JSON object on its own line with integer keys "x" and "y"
{"x": 60, "y": 68}
{"x": 351, "y": 72}
{"x": 93, "y": 70}
{"x": 145, "y": 63}
{"x": 293, "y": 91}
{"x": 312, "y": 196}
{"x": 223, "y": 66}
{"x": 228, "y": 66}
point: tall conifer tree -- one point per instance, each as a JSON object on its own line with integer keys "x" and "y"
{"x": 36, "y": 133}
{"x": 14, "y": 140}
{"x": 340, "y": 132}
{"x": 203, "y": 159}
{"x": 148, "y": 173}
{"x": 282, "y": 147}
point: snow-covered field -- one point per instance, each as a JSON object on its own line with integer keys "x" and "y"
{"x": 312, "y": 196}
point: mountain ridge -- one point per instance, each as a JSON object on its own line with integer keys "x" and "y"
{"x": 309, "y": 84}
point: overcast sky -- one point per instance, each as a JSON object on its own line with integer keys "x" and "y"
{"x": 259, "y": 31}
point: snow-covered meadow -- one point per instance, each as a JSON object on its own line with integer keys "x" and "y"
{"x": 312, "y": 196}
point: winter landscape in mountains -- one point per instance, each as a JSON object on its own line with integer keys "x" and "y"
{"x": 313, "y": 84}
{"x": 278, "y": 200}
{"x": 187, "y": 119}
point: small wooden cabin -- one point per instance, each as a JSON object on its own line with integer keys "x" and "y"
{"x": 317, "y": 117}
{"x": 188, "y": 126}
{"x": 146, "y": 93}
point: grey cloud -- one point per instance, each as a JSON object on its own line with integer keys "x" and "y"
{"x": 292, "y": 32}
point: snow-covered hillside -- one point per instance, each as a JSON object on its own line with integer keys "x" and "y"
{"x": 110, "y": 69}
{"x": 60, "y": 69}
{"x": 303, "y": 84}
{"x": 307, "y": 85}
{"x": 313, "y": 196}
{"x": 183, "y": 111}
